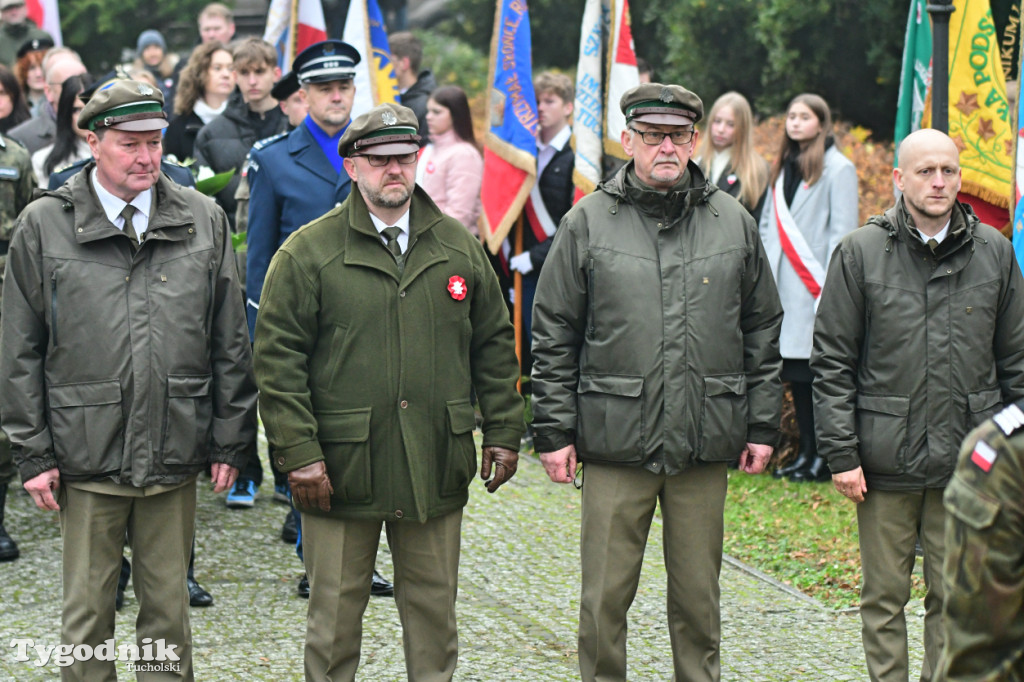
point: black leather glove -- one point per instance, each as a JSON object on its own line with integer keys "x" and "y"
{"x": 505, "y": 464}
{"x": 311, "y": 487}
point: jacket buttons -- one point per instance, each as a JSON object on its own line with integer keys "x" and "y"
{"x": 404, "y": 404}
{"x": 127, "y": 278}
{"x": 191, "y": 230}
{"x": 280, "y": 461}
{"x": 398, "y": 514}
{"x": 949, "y": 271}
{"x": 401, "y": 294}
{"x": 81, "y": 230}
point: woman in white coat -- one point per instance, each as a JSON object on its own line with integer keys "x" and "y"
{"x": 810, "y": 204}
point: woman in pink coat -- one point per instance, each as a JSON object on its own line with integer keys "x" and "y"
{"x": 451, "y": 168}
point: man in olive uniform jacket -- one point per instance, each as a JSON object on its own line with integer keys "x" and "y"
{"x": 984, "y": 570}
{"x": 656, "y": 362}
{"x": 125, "y": 371}
{"x": 375, "y": 321}
{"x": 16, "y": 184}
{"x": 918, "y": 338}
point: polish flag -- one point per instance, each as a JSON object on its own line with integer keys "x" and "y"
{"x": 46, "y": 16}
{"x": 292, "y": 26}
{"x": 984, "y": 456}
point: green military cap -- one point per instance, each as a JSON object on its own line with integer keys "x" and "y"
{"x": 664, "y": 104}
{"x": 5, "y": 4}
{"x": 382, "y": 131}
{"x": 125, "y": 105}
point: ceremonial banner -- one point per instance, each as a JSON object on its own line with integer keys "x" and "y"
{"x": 1018, "y": 212}
{"x": 510, "y": 144}
{"x": 605, "y": 70}
{"x": 916, "y": 77}
{"x": 979, "y": 114}
{"x": 375, "y": 79}
{"x": 46, "y": 16}
{"x": 292, "y": 26}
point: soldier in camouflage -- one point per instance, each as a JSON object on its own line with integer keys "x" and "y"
{"x": 17, "y": 183}
{"x": 984, "y": 566}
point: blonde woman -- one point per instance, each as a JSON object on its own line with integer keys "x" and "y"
{"x": 726, "y": 154}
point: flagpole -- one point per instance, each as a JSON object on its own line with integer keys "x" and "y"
{"x": 517, "y": 304}
{"x": 940, "y": 11}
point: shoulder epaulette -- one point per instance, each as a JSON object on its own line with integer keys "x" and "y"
{"x": 76, "y": 164}
{"x": 267, "y": 141}
{"x": 1010, "y": 419}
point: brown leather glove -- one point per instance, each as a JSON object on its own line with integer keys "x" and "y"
{"x": 311, "y": 487}
{"x": 505, "y": 464}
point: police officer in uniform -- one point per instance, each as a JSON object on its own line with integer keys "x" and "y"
{"x": 983, "y": 613}
{"x": 297, "y": 177}
{"x": 17, "y": 181}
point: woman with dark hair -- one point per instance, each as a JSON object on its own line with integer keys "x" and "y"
{"x": 12, "y": 103}
{"x": 205, "y": 84}
{"x": 810, "y": 205}
{"x": 451, "y": 167}
{"x": 69, "y": 145}
{"x": 29, "y": 71}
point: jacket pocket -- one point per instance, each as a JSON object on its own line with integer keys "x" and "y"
{"x": 970, "y": 530}
{"x": 983, "y": 405}
{"x": 723, "y": 418}
{"x": 460, "y": 466}
{"x": 345, "y": 440}
{"x": 87, "y": 427}
{"x": 882, "y": 431}
{"x": 188, "y": 419}
{"x": 610, "y": 418}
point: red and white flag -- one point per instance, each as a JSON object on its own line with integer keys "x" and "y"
{"x": 983, "y": 456}
{"x": 46, "y": 16}
{"x": 292, "y": 26}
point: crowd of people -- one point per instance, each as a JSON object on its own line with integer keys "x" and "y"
{"x": 661, "y": 316}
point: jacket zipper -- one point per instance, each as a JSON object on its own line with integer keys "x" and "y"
{"x": 53, "y": 308}
{"x": 591, "y": 295}
{"x": 209, "y": 311}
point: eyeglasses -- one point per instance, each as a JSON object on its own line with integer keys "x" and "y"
{"x": 381, "y": 161}
{"x": 656, "y": 137}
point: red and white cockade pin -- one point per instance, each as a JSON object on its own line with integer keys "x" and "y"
{"x": 457, "y": 287}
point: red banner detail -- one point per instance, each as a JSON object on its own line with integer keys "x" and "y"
{"x": 534, "y": 221}
{"x": 501, "y": 184}
{"x": 624, "y": 53}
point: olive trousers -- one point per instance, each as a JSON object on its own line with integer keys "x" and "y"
{"x": 618, "y": 506}
{"x": 889, "y": 523}
{"x": 340, "y": 554}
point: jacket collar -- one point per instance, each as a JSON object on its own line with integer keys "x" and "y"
{"x": 170, "y": 213}
{"x": 364, "y": 246}
{"x": 899, "y": 224}
{"x": 676, "y": 204}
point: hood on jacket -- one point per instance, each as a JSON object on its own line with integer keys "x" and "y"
{"x": 676, "y": 203}
{"x": 897, "y": 222}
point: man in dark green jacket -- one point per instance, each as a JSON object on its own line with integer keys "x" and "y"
{"x": 656, "y": 362}
{"x": 919, "y": 337}
{"x": 375, "y": 321}
{"x": 125, "y": 371}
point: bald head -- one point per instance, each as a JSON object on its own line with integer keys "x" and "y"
{"x": 925, "y": 140}
{"x": 928, "y": 174}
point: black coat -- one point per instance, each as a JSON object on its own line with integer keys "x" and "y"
{"x": 180, "y": 136}
{"x": 224, "y": 142}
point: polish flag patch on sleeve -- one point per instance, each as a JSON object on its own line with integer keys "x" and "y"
{"x": 983, "y": 456}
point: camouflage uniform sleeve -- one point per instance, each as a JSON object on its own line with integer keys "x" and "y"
{"x": 983, "y": 572}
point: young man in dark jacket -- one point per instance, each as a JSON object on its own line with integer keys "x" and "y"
{"x": 918, "y": 338}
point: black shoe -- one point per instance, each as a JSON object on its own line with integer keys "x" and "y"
{"x": 379, "y": 587}
{"x": 802, "y": 461}
{"x": 817, "y": 472}
{"x": 197, "y": 596}
{"x": 303, "y": 587}
{"x": 290, "y": 529}
{"x": 8, "y": 548}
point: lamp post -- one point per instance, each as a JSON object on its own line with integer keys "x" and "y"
{"x": 940, "y": 11}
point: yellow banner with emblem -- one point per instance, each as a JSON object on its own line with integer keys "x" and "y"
{"x": 979, "y": 113}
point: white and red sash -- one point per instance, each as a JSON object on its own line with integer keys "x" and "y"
{"x": 538, "y": 217}
{"x": 796, "y": 248}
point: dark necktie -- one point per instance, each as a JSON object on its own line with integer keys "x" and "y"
{"x": 933, "y": 245}
{"x": 128, "y": 212}
{"x": 391, "y": 234}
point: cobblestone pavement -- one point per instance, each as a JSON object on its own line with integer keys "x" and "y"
{"x": 518, "y": 600}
